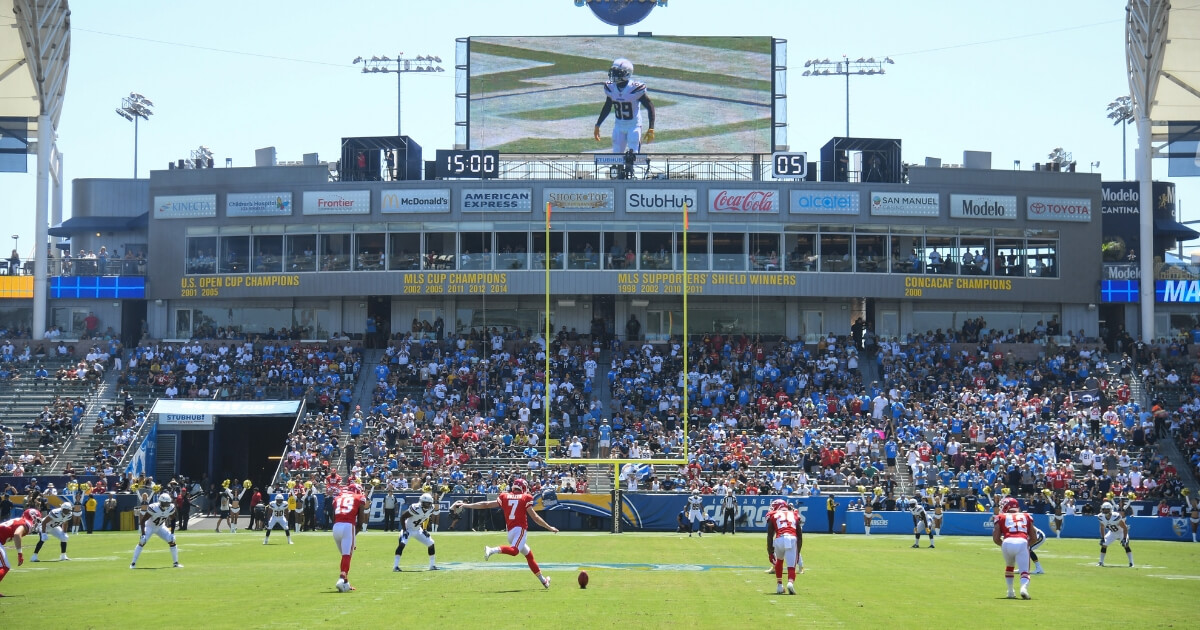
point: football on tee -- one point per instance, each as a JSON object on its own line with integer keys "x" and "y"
{"x": 583, "y": 579}
{"x": 342, "y": 586}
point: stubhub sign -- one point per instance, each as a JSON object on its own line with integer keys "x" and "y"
{"x": 824, "y": 202}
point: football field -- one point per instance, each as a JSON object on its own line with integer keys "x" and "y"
{"x": 637, "y": 581}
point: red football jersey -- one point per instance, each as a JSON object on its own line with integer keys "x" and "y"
{"x": 515, "y": 507}
{"x": 346, "y": 507}
{"x": 782, "y": 522}
{"x": 9, "y": 528}
{"x": 1014, "y": 525}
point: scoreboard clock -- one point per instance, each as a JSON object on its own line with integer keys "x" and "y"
{"x": 789, "y": 165}
{"x": 467, "y": 164}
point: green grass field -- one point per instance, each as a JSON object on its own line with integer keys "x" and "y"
{"x": 637, "y": 581}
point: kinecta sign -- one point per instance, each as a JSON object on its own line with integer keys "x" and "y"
{"x": 905, "y": 204}
{"x": 660, "y": 199}
{"x": 414, "y": 200}
{"x": 1057, "y": 209}
{"x": 824, "y": 202}
{"x": 337, "y": 202}
{"x": 185, "y": 206}
{"x": 983, "y": 207}
{"x": 497, "y": 200}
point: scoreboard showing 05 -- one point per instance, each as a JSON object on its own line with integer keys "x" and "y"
{"x": 467, "y": 164}
{"x": 788, "y": 165}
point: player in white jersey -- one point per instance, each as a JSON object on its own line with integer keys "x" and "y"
{"x": 52, "y": 525}
{"x": 921, "y": 521}
{"x": 278, "y": 509}
{"x": 695, "y": 502}
{"x": 1036, "y": 538}
{"x": 1112, "y": 528}
{"x": 156, "y": 523}
{"x": 411, "y": 519}
{"x": 625, "y": 98}
{"x": 1192, "y": 504}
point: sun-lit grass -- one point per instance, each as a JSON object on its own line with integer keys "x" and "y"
{"x": 637, "y": 581}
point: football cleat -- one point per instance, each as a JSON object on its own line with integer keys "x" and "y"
{"x": 1025, "y": 593}
{"x": 1130, "y": 565}
{"x": 132, "y": 565}
{"x": 64, "y": 557}
{"x": 488, "y": 552}
{"x": 1012, "y": 595}
{"x": 177, "y": 566}
{"x": 779, "y": 589}
{"x": 291, "y": 542}
{"x": 545, "y": 581}
{"x": 434, "y": 568}
{"x": 931, "y": 545}
{"x": 396, "y": 570}
{"x": 916, "y": 545}
{"x": 1099, "y": 564}
{"x": 1038, "y": 571}
{"x": 791, "y": 588}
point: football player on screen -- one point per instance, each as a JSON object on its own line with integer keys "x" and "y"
{"x": 625, "y": 98}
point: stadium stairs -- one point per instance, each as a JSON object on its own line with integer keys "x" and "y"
{"x": 364, "y": 394}
{"x": 83, "y": 442}
{"x": 22, "y": 399}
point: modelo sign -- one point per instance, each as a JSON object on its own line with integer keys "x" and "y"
{"x": 414, "y": 200}
{"x": 742, "y": 201}
{"x": 983, "y": 207}
{"x": 337, "y": 202}
{"x": 660, "y": 199}
{"x": 824, "y": 202}
{"x": 1058, "y": 209}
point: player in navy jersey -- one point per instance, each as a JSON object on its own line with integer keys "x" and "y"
{"x": 625, "y": 98}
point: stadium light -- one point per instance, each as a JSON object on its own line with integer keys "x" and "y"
{"x": 399, "y": 65}
{"x": 132, "y": 108}
{"x": 862, "y": 66}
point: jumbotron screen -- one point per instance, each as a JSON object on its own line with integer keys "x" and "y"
{"x": 545, "y": 94}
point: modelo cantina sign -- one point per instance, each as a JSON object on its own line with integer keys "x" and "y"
{"x": 983, "y": 207}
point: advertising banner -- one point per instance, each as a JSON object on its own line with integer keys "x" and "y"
{"x": 496, "y": 200}
{"x": 328, "y": 202}
{"x": 905, "y": 204}
{"x": 983, "y": 207}
{"x": 185, "y": 206}
{"x": 580, "y": 199}
{"x": 980, "y": 524}
{"x": 414, "y": 200}
{"x": 176, "y": 421}
{"x": 1176, "y": 291}
{"x": 144, "y": 459}
{"x": 660, "y": 199}
{"x": 843, "y": 202}
{"x": 1058, "y": 209}
{"x": 258, "y": 204}
{"x": 743, "y": 201}
{"x": 544, "y": 94}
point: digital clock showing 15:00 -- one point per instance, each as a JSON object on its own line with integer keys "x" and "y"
{"x": 472, "y": 164}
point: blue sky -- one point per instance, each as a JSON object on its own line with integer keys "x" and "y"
{"x": 1017, "y": 78}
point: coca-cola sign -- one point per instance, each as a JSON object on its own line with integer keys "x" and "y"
{"x": 1058, "y": 209}
{"x": 743, "y": 201}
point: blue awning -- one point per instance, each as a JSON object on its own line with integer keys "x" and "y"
{"x": 80, "y": 225}
{"x": 1174, "y": 229}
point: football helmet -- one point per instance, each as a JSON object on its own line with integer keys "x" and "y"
{"x": 32, "y": 516}
{"x": 519, "y": 486}
{"x": 65, "y": 507}
{"x": 621, "y": 70}
{"x": 1106, "y": 507}
{"x": 354, "y": 489}
{"x": 1009, "y": 504}
{"x": 164, "y": 499}
{"x": 778, "y": 503}
{"x": 426, "y": 502}
{"x": 279, "y": 498}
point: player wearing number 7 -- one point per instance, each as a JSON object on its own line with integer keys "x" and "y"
{"x": 625, "y": 98}
{"x": 517, "y": 506}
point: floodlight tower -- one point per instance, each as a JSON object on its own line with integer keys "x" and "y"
{"x": 132, "y": 108}
{"x": 400, "y": 65}
{"x": 846, "y": 67}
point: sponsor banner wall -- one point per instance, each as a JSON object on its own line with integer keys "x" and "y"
{"x": 185, "y": 206}
{"x": 1058, "y": 209}
{"x": 1175, "y": 291}
{"x": 580, "y": 199}
{"x": 337, "y": 202}
{"x": 496, "y": 200}
{"x": 905, "y": 204}
{"x": 1122, "y": 271}
{"x": 980, "y": 524}
{"x": 660, "y": 199}
{"x": 983, "y": 207}
{"x": 414, "y": 200}
{"x": 743, "y": 201}
{"x": 258, "y": 204}
{"x": 843, "y": 202}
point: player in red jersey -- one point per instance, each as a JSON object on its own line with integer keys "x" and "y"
{"x": 1011, "y": 534}
{"x": 13, "y": 529}
{"x": 517, "y": 506}
{"x": 784, "y": 540}
{"x": 349, "y": 509}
